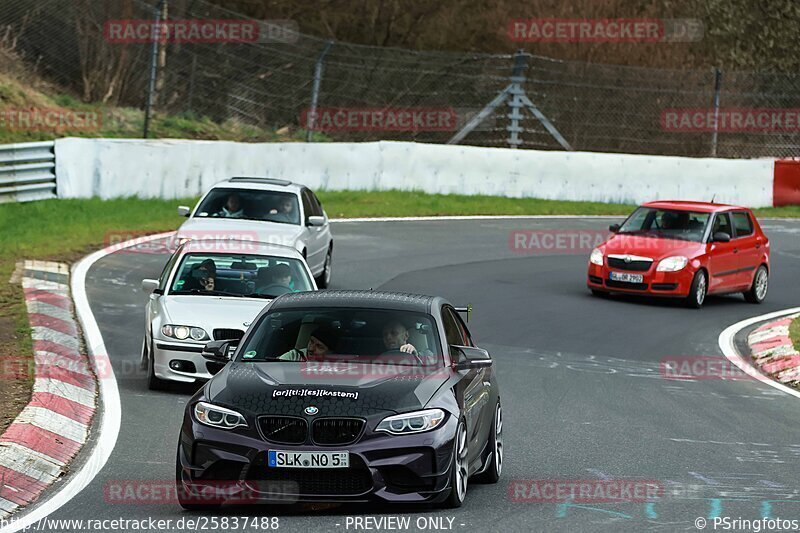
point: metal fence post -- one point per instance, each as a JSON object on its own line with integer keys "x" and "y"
{"x": 717, "y": 87}
{"x": 311, "y": 116}
{"x": 516, "y": 93}
{"x": 151, "y": 86}
{"x": 192, "y": 73}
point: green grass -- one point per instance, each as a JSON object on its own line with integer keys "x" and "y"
{"x": 794, "y": 333}
{"x": 348, "y": 204}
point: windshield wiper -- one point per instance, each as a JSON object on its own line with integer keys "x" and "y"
{"x": 207, "y": 293}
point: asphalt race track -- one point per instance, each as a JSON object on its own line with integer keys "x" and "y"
{"x": 583, "y": 395}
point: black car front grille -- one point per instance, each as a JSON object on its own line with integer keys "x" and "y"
{"x": 223, "y": 334}
{"x": 665, "y": 286}
{"x": 351, "y": 481}
{"x": 336, "y": 431}
{"x": 283, "y": 429}
{"x": 625, "y": 285}
{"x": 635, "y": 266}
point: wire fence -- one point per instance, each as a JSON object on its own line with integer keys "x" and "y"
{"x": 350, "y": 92}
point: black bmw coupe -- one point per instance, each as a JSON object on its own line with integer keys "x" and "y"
{"x": 344, "y": 396}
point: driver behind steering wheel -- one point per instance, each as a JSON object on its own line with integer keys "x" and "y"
{"x": 395, "y": 338}
{"x": 280, "y": 282}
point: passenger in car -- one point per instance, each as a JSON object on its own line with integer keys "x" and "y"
{"x": 202, "y": 277}
{"x": 284, "y": 211}
{"x": 321, "y": 342}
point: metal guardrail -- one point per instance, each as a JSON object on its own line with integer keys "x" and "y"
{"x": 27, "y": 171}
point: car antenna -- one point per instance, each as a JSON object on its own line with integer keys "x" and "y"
{"x": 713, "y": 198}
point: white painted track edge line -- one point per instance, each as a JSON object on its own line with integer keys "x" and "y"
{"x": 505, "y": 217}
{"x": 111, "y": 413}
{"x": 726, "y": 344}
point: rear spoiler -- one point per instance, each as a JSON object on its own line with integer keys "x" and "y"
{"x": 467, "y": 310}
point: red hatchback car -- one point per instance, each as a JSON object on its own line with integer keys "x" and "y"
{"x": 686, "y": 250}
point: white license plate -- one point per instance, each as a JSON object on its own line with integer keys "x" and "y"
{"x": 282, "y": 459}
{"x": 627, "y": 278}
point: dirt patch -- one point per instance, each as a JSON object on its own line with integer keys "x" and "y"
{"x": 15, "y": 385}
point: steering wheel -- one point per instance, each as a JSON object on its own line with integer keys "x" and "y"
{"x": 398, "y": 351}
{"x": 273, "y": 290}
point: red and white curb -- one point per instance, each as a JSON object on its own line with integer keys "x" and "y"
{"x": 773, "y": 351}
{"x": 108, "y": 419}
{"x": 728, "y": 346}
{"x": 37, "y": 447}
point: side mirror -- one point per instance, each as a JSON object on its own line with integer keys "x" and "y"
{"x": 721, "y": 236}
{"x": 469, "y": 357}
{"x": 149, "y": 285}
{"x": 316, "y": 221}
{"x": 219, "y": 351}
{"x": 184, "y": 211}
{"x": 613, "y": 228}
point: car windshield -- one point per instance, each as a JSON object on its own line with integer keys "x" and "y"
{"x": 246, "y": 275}
{"x": 667, "y": 224}
{"x": 350, "y": 336}
{"x": 269, "y": 206}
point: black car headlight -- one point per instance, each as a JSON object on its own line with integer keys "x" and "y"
{"x": 218, "y": 417}
{"x": 415, "y": 422}
{"x": 184, "y": 332}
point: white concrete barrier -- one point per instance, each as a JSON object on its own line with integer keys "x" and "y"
{"x": 175, "y": 168}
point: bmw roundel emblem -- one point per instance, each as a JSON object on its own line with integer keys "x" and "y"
{"x": 311, "y": 410}
{"x": 628, "y": 259}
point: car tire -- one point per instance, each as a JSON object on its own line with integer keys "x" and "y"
{"x": 698, "y": 291}
{"x": 183, "y": 499}
{"x": 459, "y": 469}
{"x": 153, "y": 381}
{"x": 758, "y": 290}
{"x": 324, "y": 280}
{"x": 495, "y": 445}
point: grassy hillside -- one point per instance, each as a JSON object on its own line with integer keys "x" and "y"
{"x": 21, "y": 96}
